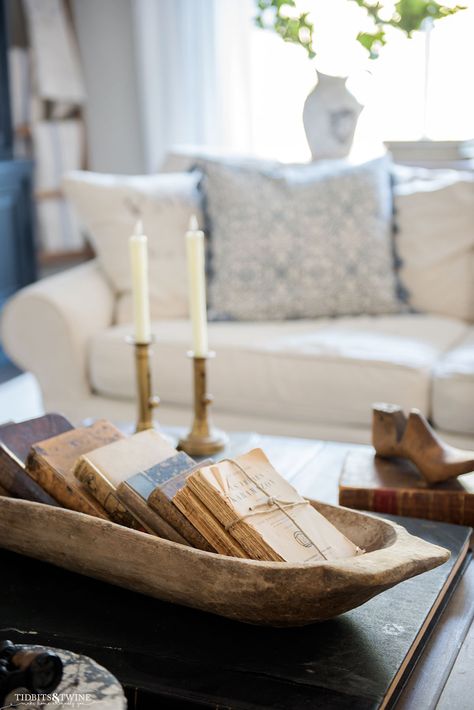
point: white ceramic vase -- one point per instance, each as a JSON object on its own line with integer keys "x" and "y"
{"x": 330, "y": 117}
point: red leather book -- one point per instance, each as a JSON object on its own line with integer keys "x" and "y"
{"x": 394, "y": 486}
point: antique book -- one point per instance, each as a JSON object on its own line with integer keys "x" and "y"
{"x": 104, "y": 492}
{"x": 133, "y": 496}
{"x": 169, "y": 477}
{"x": 15, "y": 442}
{"x": 136, "y": 490}
{"x": 264, "y": 513}
{"x": 369, "y": 482}
{"x": 210, "y": 528}
{"x": 102, "y": 470}
{"x": 4, "y": 492}
{"x": 122, "y": 475}
{"x": 51, "y": 463}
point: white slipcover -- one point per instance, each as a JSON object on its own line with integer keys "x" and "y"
{"x": 327, "y": 371}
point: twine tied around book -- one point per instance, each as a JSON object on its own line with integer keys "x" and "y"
{"x": 271, "y": 504}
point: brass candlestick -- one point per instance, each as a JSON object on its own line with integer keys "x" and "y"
{"x": 146, "y": 401}
{"x": 203, "y": 439}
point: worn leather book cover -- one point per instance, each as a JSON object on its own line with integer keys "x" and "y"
{"x": 369, "y": 482}
{"x": 104, "y": 493}
{"x": 135, "y": 490}
{"x": 102, "y": 470}
{"x": 15, "y": 442}
{"x": 51, "y": 463}
{"x": 5, "y": 493}
{"x": 134, "y": 499}
{"x": 168, "y": 478}
{"x": 125, "y": 472}
{"x": 264, "y": 513}
{"x": 118, "y": 460}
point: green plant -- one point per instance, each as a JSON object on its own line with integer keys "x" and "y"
{"x": 282, "y": 17}
{"x": 273, "y": 15}
{"x": 408, "y": 16}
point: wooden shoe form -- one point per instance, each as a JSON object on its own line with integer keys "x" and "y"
{"x": 393, "y": 434}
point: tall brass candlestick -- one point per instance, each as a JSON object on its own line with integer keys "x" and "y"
{"x": 203, "y": 439}
{"x": 146, "y": 400}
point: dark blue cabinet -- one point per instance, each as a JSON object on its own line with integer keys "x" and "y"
{"x": 6, "y": 132}
{"x": 17, "y": 248}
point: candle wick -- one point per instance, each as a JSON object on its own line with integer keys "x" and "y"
{"x": 138, "y": 228}
{"x": 193, "y": 223}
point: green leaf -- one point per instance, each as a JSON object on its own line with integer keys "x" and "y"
{"x": 372, "y": 42}
{"x": 408, "y": 17}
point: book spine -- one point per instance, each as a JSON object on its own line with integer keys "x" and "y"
{"x": 16, "y": 481}
{"x": 104, "y": 493}
{"x": 65, "y": 494}
{"x": 169, "y": 512}
{"x": 433, "y": 504}
{"x": 150, "y": 520}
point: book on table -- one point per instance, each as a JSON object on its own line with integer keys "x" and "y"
{"x": 16, "y": 440}
{"x": 50, "y": 463}
{"x": 369, "y": 482}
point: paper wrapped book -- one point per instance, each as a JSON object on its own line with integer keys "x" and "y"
{"x": 258, "y": 509}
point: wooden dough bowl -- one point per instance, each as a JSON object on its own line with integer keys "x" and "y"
{"x": 268, "y": 593}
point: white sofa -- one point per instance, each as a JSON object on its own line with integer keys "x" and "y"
{"x": 307, "y": 378}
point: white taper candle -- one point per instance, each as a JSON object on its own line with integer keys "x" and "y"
{"x": 195, "y": 249}
{"x": 141, "y": 299}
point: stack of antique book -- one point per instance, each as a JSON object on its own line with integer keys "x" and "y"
{"x": 240, "y": 507}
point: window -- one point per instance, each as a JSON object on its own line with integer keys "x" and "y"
{"x": 419, "y": 87}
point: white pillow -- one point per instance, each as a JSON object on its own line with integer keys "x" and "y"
{"x": 105, "y": 207}
{"x": 434, "y": 211}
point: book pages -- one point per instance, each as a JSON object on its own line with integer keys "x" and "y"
{"x": 265, "y": 513}
{"x": 209, "y": 527}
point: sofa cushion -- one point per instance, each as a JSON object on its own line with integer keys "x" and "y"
{"x": 323, "y": 371}
{"x": 107, "y": 206}
{"x": 299, "y": 241}
{"x": 453, "y": 388}
{"x": 435, "y": 241}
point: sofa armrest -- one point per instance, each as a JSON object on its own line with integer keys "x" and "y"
{"x": 46, "y": 328}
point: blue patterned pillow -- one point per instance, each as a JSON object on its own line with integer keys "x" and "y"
{"x": 299, "y": 241}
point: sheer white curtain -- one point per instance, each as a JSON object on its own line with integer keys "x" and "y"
{"x": 209, "y": 77}
{"x": 193, "y": 67}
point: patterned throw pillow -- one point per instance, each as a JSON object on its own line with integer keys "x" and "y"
{"x": 299, "y": 241}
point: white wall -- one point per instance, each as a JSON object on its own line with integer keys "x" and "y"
{"x": 106, "y": 44}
